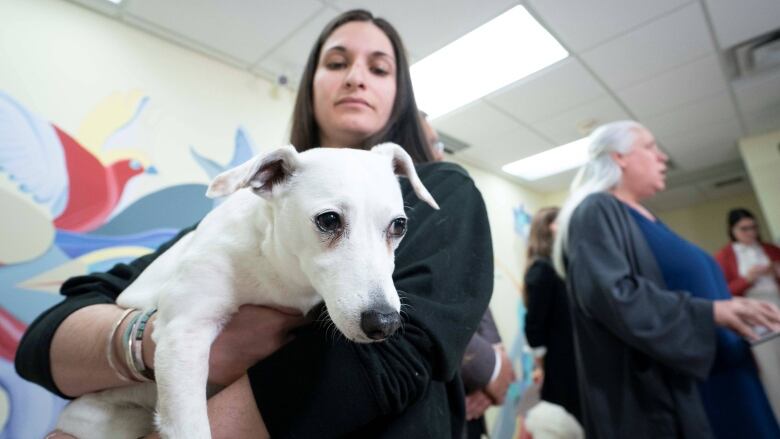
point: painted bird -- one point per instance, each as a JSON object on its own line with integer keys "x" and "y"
{"x": 79, "y": 190}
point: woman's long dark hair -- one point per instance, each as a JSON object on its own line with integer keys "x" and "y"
{"x": 403, "y": 126}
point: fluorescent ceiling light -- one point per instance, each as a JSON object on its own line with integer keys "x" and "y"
{"x": 498, "y": 53}
{"x": 550, "y": 162}
{"x": 116, "y": 2}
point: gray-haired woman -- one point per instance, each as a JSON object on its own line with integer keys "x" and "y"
{"x": 644, "y": 334}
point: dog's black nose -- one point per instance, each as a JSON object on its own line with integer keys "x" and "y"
{"x": 378, "y": 325}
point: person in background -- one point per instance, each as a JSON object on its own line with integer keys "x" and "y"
{"x": 486, "y": 368}
{"x": 548, "y": 321}
{"x": 752, "y": 269}
{"x": 435, "y": 145}
{"x": 355, "y": 92}
{"x": 651, "y": 312}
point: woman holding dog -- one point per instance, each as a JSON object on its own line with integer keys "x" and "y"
{"x": 355, "y": 92}
{"x": 651, "y": 312}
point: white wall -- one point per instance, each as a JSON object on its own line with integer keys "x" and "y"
{"x": 704, "y": 224}
{"x": 761, "y": 155}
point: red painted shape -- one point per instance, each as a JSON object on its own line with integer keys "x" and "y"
{"x": 93, "y": 190}
{"x": 11, "y": 330}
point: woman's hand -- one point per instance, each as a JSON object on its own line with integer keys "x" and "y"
{"x": 757, "y": 271}
{"x": 476, "y": 404}
{"x": 741, "y": 315}
{"x": 252, "y": 334}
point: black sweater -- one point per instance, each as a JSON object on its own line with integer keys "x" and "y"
{"x": 548, "y": 323}
{"x": 323, "y": 386}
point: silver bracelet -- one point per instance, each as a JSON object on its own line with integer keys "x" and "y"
{"x": 110, "y": 344}
{"x": 127, "y": 339}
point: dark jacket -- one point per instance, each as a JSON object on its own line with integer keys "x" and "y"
{"x": 479, "y": 361}
{"x": 640, "y": 348}
{"x": 322, "y": 386}
{"x": 548, "y": 324}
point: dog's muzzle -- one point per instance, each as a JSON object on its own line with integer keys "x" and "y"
{"x": 380, "y": 324}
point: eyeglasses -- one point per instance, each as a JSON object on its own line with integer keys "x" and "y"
{"x": 752, "y": 228}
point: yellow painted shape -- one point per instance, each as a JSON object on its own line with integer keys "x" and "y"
{"x": 51, "y": 280}
{"x": 26, "y": 231}
{"x": 108, "y": 116}
{"x": 5, "y": 408}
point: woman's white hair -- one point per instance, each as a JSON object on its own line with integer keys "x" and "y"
{"x": 599, "y": 174}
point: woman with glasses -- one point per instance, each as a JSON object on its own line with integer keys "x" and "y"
{"x": 752, "y": 269}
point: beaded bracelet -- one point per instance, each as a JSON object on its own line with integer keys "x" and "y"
{"x": 110, "y": 344}
{"x": 137, "y": 345}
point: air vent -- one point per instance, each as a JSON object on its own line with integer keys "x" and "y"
{"x": 451, "y": 144}
{"x": 758, "y": 55}
{"x": 720, "y": 184}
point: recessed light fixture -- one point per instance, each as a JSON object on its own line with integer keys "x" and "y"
{"x": 553, "y": 161}
{"x": 498, "y": 53}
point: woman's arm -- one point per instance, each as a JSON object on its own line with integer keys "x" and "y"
{"x": 64, "y": 349}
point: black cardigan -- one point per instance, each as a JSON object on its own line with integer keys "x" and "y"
{"x": 548, "y": 324}
{"x": 639, "y": 347}
{"x": 323, "y": 386}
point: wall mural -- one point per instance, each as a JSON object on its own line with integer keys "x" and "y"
{"x": 523, "y": 393}
{"x": 71, "y": 208}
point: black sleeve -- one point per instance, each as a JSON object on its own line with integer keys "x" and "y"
{"x": 32, "y": 355}
{"x": 540, "y": 288}
{"x": 672, "y": 327}
{"x": 321, "y": 385}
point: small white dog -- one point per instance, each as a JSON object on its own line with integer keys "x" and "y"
{"x": 297, "y": 229}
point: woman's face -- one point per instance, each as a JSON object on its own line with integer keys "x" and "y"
{"x": 643, "y": 167}
{"x": 745, "y": 231}
{"x": 354, "y": 85}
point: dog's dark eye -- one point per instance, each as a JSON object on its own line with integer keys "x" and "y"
{"x": 328, "y": 222}
{"x": 397, "y": 227}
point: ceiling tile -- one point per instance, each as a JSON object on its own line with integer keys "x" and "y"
{"x": 685, "y": 84}
{"x": 656, "y": 47}
{"x": 559, "y": 87}
{"x": 706, "y": 146}
{"x": 553, "y": 183}
{"x": 692, "y": 116}
{"x": 562, "y": 128}
{"x": 514, "y": 145}
{"x": 496, "y": 150}
{"x": 289, "y": 58}
{"x": 758, "y": 92}
{"x": 584, "y": 24}
{"x": 244, "y": 30}
{"x": 737, "y": 21}
{"x": 475, "y": 122}
{"x": 427, "y": 26}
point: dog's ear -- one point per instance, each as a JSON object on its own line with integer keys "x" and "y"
{"x": 403, "y": 166}
{"x": 261, "y": 173}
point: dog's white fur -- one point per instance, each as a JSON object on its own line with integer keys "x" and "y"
{"x": 551, "y": 421}
{"x": 267, "y": 250}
